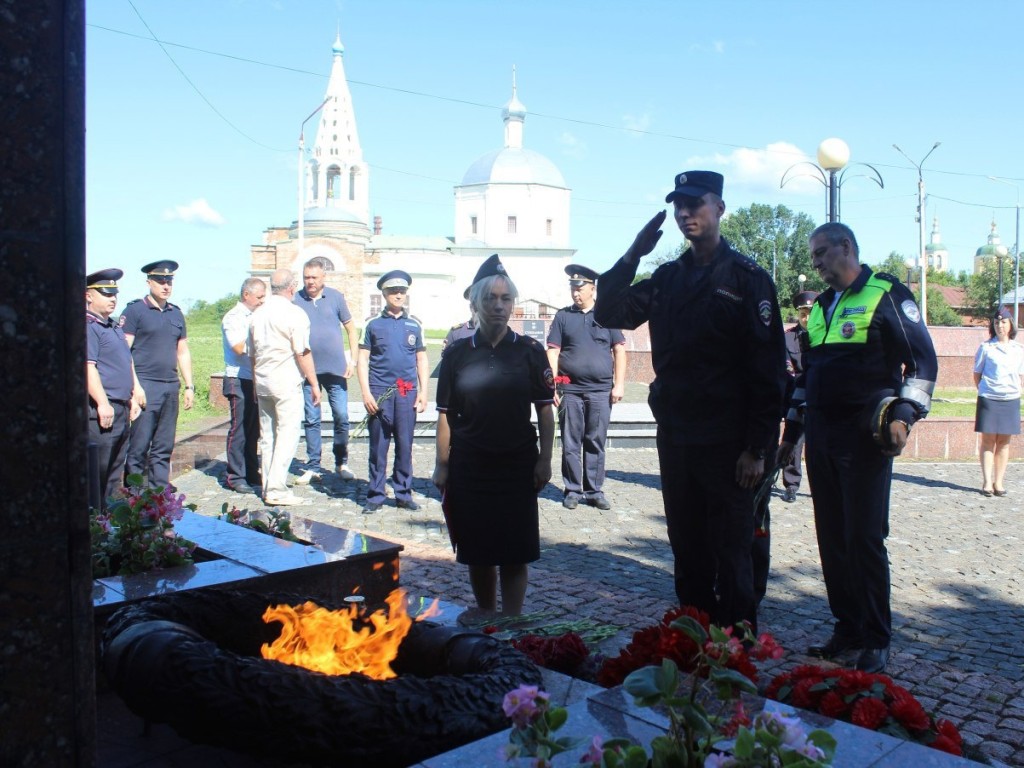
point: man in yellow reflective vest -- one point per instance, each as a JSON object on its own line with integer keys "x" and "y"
{"x": 869, "y": 372}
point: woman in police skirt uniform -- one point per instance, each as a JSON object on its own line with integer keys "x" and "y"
{"x": 998, "y": 367}
{"x": 489, "y": 466}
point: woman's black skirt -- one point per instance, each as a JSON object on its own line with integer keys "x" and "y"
{"x": 492, "y": 506}
{"x": 997, "y": 417}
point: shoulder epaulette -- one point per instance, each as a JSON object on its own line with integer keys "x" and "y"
{"x": 457, "y": 326}
{"x": 133, "y": 301}
{"x": 414, "y": 319}
{"x": 887, "y": 277}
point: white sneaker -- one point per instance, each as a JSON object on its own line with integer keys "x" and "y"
{"x": 288, "y": 500}
{"x": 344, "y": 472}
{"x": 307, "y": 477}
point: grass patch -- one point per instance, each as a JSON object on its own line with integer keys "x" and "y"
{"x": 204, "y": 342}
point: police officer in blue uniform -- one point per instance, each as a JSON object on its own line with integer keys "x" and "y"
{"x": 155, "y": 330}
{"x": 110, "y": 379}
{"x": 869, "y": 373}
{"x": 719, "y": 359}
{"x": 594, "y": 360}
{"x": 392, "y": 362}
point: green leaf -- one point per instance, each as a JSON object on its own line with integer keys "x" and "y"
{"x": 642, "y": 685}
{"x": 824, "y": 741}
{"x": 731, "y": 677}
{"x": 556, "y": 717}
{"x": 691, "y": 628}
{"x": 744, "y": 743}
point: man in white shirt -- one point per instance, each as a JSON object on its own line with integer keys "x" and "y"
{"x": 281, "y": 360}
{"x": 243, "y": 470}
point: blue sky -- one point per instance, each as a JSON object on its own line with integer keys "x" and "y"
{"x": 193, "y": 159}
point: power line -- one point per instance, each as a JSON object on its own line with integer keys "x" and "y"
{"x": 195, "y": 88}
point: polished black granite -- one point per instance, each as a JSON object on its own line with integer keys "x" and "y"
{"x": 330, "y": 563}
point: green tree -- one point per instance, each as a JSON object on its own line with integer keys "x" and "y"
{"x": 983, "y": 290}
{"x": 895, "y": 264}
{"x": 205, "y": 312}
{"x": 939, "y": 311}
{"x": 776, "y": 238}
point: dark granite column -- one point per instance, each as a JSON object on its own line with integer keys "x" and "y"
{"x": 47, "y": 691}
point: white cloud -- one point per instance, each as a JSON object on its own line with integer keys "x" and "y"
{"x": 761, "y": 170}
{"x": 572, "y": 146}
{"x": 197, "y": 212}
{"x": 637, "y": 123}
{"x": 715, "y": 46}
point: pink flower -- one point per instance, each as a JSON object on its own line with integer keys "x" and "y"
{"x": 594, "y": 754}
{"x": 524, "y": 705}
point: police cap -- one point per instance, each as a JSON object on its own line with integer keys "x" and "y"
{"x": 578, "y": 275}
{"x": 490, "y": 268}
{"x": 465, "y": 293}
{"x": 804, "y": 299}
{"x": 162, "y": 268}
{"x": 104, "y": 281}
{"x": 696, "y": 184}
{"x": 1003, "y": 314}
{"x": 396, "y": 278}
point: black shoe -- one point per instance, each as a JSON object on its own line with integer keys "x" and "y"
{"x": 789, "y": 495}
{"x": 834, "y": 647}
{"x": 371, "y": 507}
{"x": 411, "y": 505}
{"x": 599, "y": 501}
{"x": 571, "y": 501}
{"x": 241, "y": 487}
{"x": 873, "y": 660}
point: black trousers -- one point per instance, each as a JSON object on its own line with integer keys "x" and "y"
{"x": 152, "y": 436}
{"x": 111, "y": 449}
{"x": 792, "y": 473}
{"x": 850, "y": 481}
{"x": 710, "y": 521}
{"x": 583, "y": 424}
{"x": 243, "y": 432}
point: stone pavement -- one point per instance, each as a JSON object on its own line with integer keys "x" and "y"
{"x": 957, "y": 585}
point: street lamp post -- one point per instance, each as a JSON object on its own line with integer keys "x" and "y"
{"x": 302, "y": 175}
{"x": 833, "y": 165}
{"x": 1016, "y": 255}
{"x": 922, "y": 255}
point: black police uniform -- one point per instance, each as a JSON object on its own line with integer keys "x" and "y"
{"x": 155, "y": 351}
{"x": 585, "y": 356}
{"x": 107, "y": 349}
{"x": 871, "y": 345}
{"x": 486, "y": 393}
{"x": 796, "y": 341}
{"x": 719, "y": 359}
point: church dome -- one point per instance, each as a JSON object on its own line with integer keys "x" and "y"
{"x": 994, "y": 246}
{"x": 514, "y": 165}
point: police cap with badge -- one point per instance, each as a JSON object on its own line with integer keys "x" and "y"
{"x": 695, "y": 184}
{"x": 492, "y": 267}
{"x": 804, "y": 299}
{"x": 396, "y": 278}
{"x": 104, "y": 281}
{"x": 580, "y": 275}
{"x": 161, "y": 271}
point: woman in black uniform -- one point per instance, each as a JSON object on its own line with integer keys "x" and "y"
{"x": 489, "y": 467}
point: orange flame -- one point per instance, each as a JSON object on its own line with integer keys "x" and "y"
{"x": 341, "y": 642}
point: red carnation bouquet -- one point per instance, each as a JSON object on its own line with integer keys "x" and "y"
{"x": 651, "y": 645}
{"x": 870, "y": 701}
{"x": 565, "y": 653}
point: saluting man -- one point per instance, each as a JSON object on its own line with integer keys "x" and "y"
{"x": 155, "y": 331}
{"x": 392, "y": 356}
{"x": 110, "y": 379}
{"x": 594, "y": 359}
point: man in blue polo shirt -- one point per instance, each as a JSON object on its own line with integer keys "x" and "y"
{"x": 393, "y": 378}
{"x": 328, "y": 313}
{"x": 110, "y": 378}
{"x": 593, "y": 358}
{"x": 155, "y": 330}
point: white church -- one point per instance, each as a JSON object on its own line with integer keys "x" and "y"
{"x": 512, "y": 201}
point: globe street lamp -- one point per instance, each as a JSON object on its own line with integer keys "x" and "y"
{"x": 833, "y": 165}
{"x": 1016, "y": 254}
{"x": 923, "y": 255}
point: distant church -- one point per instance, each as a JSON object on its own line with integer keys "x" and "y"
{"x": 512, "y": 201}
